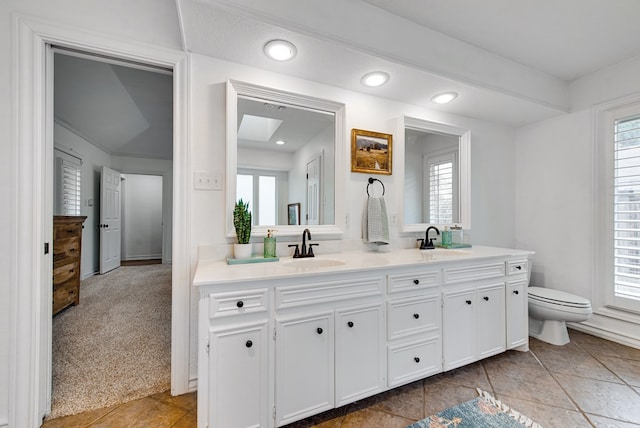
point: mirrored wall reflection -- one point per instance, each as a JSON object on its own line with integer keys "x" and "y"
{"x": 285, "y": 157}
{"x": 431, "y": 183}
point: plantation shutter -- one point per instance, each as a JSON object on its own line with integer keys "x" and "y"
{"x": 626, "y": 209}
{"x": 441, "y": 185}
{"x": 68, "y": 177}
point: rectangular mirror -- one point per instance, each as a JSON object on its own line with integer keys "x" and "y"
{"x": 435, "y": 187}
{"x": 282, "y": 149}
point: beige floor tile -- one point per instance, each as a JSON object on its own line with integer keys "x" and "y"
{"x": 600, "y": 422}
{"x": 611, "y": 400}
{"x": 406, "y": 401}
{"x": 627, "y": 370}
{"x": 472, "y": 376}
{"x": 141, "y": 413}
{"x": 373, "y": 418}
{"x": 440, "y": 394}
{"x": 570, "y": 359}
{"x": 599, "y": 347}
{"x": 545, "y": 415}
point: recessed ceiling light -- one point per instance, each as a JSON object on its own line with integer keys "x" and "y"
{"x": 445, "y": 97}
{"x": 375, "y": 78}
{"x": 279, "y": 142}
{"x": 280, "y": 50}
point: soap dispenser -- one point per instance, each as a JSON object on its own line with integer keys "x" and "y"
{"x": 270, "y": 244}
{"x": 446, "y": 237}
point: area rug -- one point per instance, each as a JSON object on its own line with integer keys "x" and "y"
{"x": 484, "y": 411}
{"x": 115, "y": 346}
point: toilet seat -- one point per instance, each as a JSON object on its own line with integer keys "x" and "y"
{"x": 556, "y": 297}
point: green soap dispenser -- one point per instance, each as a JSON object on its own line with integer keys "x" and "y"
{"x": 270, "y": 244}
{"x": 446, "y": 237}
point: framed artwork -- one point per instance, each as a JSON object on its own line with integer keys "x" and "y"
{"x": 294, "y": 214}
{"x": 371, "y": 152}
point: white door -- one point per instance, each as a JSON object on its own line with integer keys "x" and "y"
{"x": 109, "y": 220}
{"x": 313, "y": 191}
{"x": 490, "y": 321}
{"x": 459, "y": 327}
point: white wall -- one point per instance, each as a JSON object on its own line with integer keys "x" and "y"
{"x": 141, "y": 217}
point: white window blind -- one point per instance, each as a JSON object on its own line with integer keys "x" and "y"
{"x": 626, "y": 209}
{"x": 441, "y": 186}
{"x": 68, "y": 177}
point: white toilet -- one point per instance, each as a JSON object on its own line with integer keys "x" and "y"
{"x": 549, "y": 311}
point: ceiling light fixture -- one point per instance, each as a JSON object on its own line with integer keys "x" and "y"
{"x": 375, "y": 78}
{"x": 280, "y": 50}
{"x": 279, "y": 142}
{"x": 445, "y": 97}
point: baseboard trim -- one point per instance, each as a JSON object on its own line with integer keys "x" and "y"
{"x": 605, "y": 333}
{"x": 193, "y": 384}
{"x": 4, "y": 423}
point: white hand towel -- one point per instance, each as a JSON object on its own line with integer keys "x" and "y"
{"x": 375, "y": 224}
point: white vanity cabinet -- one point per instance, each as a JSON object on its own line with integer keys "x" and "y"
{"x": 473, "y": 313}
{"x": 517, "y": 304}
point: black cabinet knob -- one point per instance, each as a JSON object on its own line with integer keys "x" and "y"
{"x": 416, "y": 359}
{"x": 416, "y": 281}
{"x": 319, "y": 330}
{"x": 516, "y": 292}
{"x": 416, "y": 316}
{"x": 249, "y": 344}
{"x": 350, "y": 323}
{"x": 468, "y": 302}
{"x": 519, "y": 267}
{"x": 240, "y": 303}
{"x": 486, "y": 299}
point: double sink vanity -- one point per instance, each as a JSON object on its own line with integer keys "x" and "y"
{"x": 282, "y": 341}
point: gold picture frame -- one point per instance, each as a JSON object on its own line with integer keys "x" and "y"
{"x": 371, "y": 152}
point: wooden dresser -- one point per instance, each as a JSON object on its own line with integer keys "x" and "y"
{"x": 67, "y": 247}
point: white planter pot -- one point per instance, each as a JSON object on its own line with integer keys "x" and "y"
{"x": 242, "y": 251}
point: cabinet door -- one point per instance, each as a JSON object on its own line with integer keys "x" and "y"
{"x": 304, "y": 366}
{"x": 490, "y": 320}
{"x": 459, "y": 327}
{"x": 517, "y": 314}
{"x": 359, "y": 364}
{"x": 238, "y": 395}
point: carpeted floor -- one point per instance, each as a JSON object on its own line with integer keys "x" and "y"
{"x": 115, "y": 346}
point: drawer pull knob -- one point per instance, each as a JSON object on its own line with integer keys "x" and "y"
{"x": 518, "y": 267}
{"x": 319, "y": 330}
{"x": 416, "y": 316}
{"x": 350, "y": 324}
{"x": 416, "y": 359}
{"x": 468, "y": 302}
{"x": 416, "y": 281}
{"x": 486, "y": 299}
{"x": 516, "y": 292}
{"x": 240, "y": 303}
{"x": 249, "y": 344}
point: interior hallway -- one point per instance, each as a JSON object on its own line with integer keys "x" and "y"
{"x": 590, "y": 382}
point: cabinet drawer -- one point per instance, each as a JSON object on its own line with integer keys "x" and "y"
{"x": 290, "y": 296}
{"x": 417, "y": 281}
{"x": 238, "y": 302}
{"x": 65, "y": 271}
{"x": 65, "y": 294}
{"x": 61, "y": 231}
{"x": 66, "y": 248}
{"x": 413, "y": 315}
{"x": 516, "y": 267}
{"x": 415, "y": 360}
{"x": 473, "y": 273}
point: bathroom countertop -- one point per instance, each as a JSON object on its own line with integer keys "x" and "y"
{"x": 212, "y": 272}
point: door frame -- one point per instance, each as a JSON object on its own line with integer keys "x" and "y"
{"x": 32, "y": 150}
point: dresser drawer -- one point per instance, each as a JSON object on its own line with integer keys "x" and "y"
{"x": 67, "y": 230}
{"x": 238, "y": 302}
{"x": 66, "y": 248}
{"x": 65, "y": 294}
{"x": 414, "y": 360}
{"x": 417, "y": 281}
{"x": 65, "y": 271}
{"x": 413, "y": 315}
{"x": 517, "y": 266}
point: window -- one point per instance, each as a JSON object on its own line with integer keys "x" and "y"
{"x": 260, "y": 190}
{"x": 441, "y": 176}
{"x": 626, "y": 208}
{"x": 68, "y": 180}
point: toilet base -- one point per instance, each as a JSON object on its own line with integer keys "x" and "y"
{"x": 549, "y": 331}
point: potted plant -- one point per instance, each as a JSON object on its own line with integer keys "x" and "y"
{"x": 242, "y": 224}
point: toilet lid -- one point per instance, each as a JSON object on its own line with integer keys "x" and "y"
{"x": 557, "y": 297}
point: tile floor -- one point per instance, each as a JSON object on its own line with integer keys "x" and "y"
{"x": 590, "y": 382}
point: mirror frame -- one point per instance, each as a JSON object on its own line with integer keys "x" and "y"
{"x": 464, "y": 170}
{"x": 237, "y": 89}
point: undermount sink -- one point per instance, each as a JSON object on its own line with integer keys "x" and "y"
{"x": 312, "y": 263}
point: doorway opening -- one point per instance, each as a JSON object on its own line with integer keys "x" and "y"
{"x": 117, "y": 118}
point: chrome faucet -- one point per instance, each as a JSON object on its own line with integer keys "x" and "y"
{"x": 424, "y": 245}
{"x": 303, "y": 251}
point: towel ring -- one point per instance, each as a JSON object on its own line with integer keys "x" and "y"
{"x": 371, "y": 180}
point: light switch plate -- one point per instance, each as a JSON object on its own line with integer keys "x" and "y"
{"x": 202, "y": 181}
{"x": 216, "y": 182}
